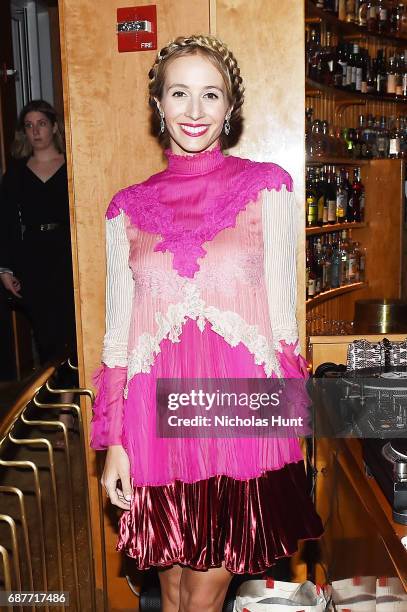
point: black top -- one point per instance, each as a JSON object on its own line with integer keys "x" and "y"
{"x": 44, "y": 202}
{"x": 26, "y": 202}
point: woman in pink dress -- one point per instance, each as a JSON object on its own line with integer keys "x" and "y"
{"x": 200, "y": 284}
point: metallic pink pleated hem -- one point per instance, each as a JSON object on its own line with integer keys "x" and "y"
{"x": 245, "y": 524}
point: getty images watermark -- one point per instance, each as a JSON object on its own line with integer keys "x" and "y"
{"x": 250, "y": 407}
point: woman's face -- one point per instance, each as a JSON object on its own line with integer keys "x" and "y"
{"x": 194, "y": 104}
{"x": 39, "y": 130}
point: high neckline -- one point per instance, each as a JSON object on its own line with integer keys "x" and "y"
{"x": 200, "y": 163}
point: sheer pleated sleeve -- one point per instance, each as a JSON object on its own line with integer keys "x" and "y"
{"x": 280, "y": 231}
{"x": 110, "y": 378}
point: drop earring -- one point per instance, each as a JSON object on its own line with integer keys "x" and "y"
{"x": 227, "y": 126}
{"x": 162, "y": 124}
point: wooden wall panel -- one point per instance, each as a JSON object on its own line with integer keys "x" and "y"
{"x": 267, "y": 37}
{"x": 109, "y": 147}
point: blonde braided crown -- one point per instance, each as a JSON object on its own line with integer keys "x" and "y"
{"x": 223, "y": 59}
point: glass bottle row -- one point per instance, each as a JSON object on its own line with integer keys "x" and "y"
{"x": 376, "y": 15}
{"x": 349, "y": 66}
{"x": 373, "y": 138}
{"x": 332, "y": 261}
{"x": 331, "y": 197}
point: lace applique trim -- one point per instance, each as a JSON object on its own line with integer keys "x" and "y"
{"x": 289, "y": 336}
{"x": 225, "y": 277}
{"x": 226, "y": 323}
{"x": 142, "y": 205}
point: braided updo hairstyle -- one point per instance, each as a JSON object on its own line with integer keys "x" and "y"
{"x": 221, "y": 57}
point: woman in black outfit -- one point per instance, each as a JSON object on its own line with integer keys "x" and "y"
{"x": 35, "y": 244}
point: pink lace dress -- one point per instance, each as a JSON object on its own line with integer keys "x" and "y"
{"x": 201, "y": 284}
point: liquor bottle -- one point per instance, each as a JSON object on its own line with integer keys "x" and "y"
{"x": 382, "y": 23}
{"x": 362, "y": 13}
{"x": 382, "y": 139}
{"x": 348, "y": 142}
{"x": 371, "y": 74}
{"x": 399, "y": 69}
{"x": 351, "y": 262}
{"x": 394, "y": 23}
{"x": 341, "y": 67}
{"x": 357, "y": 252}
{"x": 362, "y": 264}
{"x": 403, "y": 140}
{"x": 358, "y": 197}
{"x": 327, "y": 58}
{"x": 403, "y": 71}
{"x": 311, "y": 200}
{"x": 350, "y": 209}
{"x": 326, "y": 262}
{"x": 335, "y": 263}
{"x": 358, "y": 63}
{"x": 366, "y": 71}
{"x": 313, "y": 50}
{"x": 395, "y": 139}
{"x": 391, "y": 76}
{"x": 362, "y": 195}
{"x": 343, "y": 252}
{"x": 319, "y": 143}
{"x": 320, "y": 188}
{"x": 381, "y": 72}
{"x": 308, "y": 126}
{"x": 318, "y": 265}
{"x": 341, "y": 199}
{"x": 349, "y": 65}
{"x": 310, "y": 275}
{"x": 369, "y": 139}
{"x": 371, "y": 16}
{"x": 358, "y": 149}
{"x": 331, "y": 196}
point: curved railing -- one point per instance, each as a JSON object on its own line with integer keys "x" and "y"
{"x": 45, "y": 534}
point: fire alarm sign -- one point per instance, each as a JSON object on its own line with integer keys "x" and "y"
{"x": 137, "y": 28}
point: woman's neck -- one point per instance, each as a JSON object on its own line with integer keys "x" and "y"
{"x": 46, "y": 155}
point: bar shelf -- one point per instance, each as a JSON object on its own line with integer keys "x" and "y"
{"x": 333, "y": 293}
{"x": 350, "y": 30}
{"x": 335, "y": 227}
{"x": 346, "y": 96}
{"x": 335, "y": 161}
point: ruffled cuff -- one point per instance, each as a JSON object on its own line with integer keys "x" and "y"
{"x": 292, "y": 363}
{"x": 107, "y": 420}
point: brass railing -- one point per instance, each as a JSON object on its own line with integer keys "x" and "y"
{"x": 45, "y": 534}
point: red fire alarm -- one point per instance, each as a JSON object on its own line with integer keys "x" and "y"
{"x": 137, "y": 28}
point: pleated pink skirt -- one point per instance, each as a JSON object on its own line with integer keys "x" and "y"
{"x": 203, "y": 501}
{"x": 245, "y": 524}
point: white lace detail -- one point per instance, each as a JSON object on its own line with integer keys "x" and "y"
{"x": 228, "y": 324}
{"x": 290, "y": 336}
{"x": 222, "y": 277}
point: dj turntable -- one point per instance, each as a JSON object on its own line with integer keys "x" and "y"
{"x": 386, "y": 460}
{"x": 372, "y": 403}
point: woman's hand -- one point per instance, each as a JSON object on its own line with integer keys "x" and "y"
{"x": 11, "y": 283}
{"x": 117, "y": 466}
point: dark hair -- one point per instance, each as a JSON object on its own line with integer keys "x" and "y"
{"x": 21, "y": 146}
